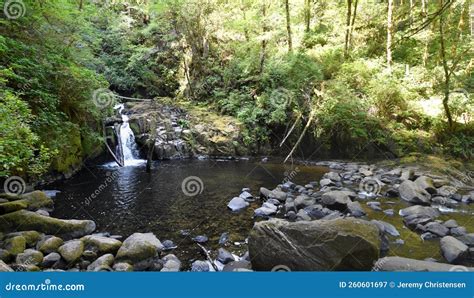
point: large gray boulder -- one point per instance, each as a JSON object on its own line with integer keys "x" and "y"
{"x": 426, "y": 183}
{"x": 336, "y": 200}
{"x": 138, "y": 247}
{"x": 101, "y": 244}
{"x": 103, "y": 263}
{"x": 28, "y": 220}
{"x": 412, "y": 193}
{"x": 453, "y": 250}
{"x": 405, "y": 264}
{"x": 340, "y": 244}
{"x": 71, "y": 251}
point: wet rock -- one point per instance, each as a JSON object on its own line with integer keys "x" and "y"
{"x": 171, "y": 263}
{"x": 412, "y": 193}
{"x": 200, "y": 266}
{"x": 446, "y": 191}
{"x": 333, "y": 176}
{"x": 426, "y": 183}
{"x": 450, "y": 224}
{"x": 122, "y": 267}
{"x": 31, "y": 237}
{"x": 224, "y": 256}
{"x": 323, "y": 244}
{"x": 336, "y": 200}
{"x": 237, "y": 204}
{"x": 48, "y": 225}
{"x": 4, "y": 267}
{"x": 103, "y": 263}
{"x": 49, "y": 244}
{"x": 139, "y": 246}
{"x": 405, "y": 264}
{"x": 201, "y": 239}
{"x": 169, "y": 245}
{"x": 71, "y": 251}
{"x": 102, "y": 245}
{"x": 29, "y": 257}
{"x": 385, "y": 227}
{"x": 420, "y": 211}
{"x": 50, "y": 259}
{"x": 5, "y": 255}
{"x": 31, "y": 201}
{"x": 389, "y": 212}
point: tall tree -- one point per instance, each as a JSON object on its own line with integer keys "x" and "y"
{"x": 351, "y": 27}
{"x": 307, "y": 15}
{"x": 447, "y": 71}
{"x": 389, "y": 33}
{"x": 264, "y": 36}
{"x": 288, "y": 25}
{"x": 348, "y": 25}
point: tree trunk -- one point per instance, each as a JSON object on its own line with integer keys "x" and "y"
{"x": 389, "y": 34}
{"x": 307, "y": 15}
{"x": 348, "y": 24}
{"x": 81, "y": 3}
{"x": 352, "y": 24}
{"x": 447, "y": 73}
{"x": 264, "y": 38}
{"x": 288, "y": 25}
{"x": 425, "y": 50}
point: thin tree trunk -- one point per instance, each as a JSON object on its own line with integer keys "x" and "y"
{"x": 447, "y": 73}
{"x": 352, "y": 23}
{"x": 389, "y": 34}
{"x": 425, "y": 50}
{"x": 348, "y": 24}
{"x": 307, "y": 15}
{"x": 264, "y": 39}
{"x": 81, "y": 3}
{"x": 288, "y": 25}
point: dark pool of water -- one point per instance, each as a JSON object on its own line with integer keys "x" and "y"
{"x": 136, "y": 201}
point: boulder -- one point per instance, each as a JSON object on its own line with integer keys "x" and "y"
{"x": 326, "y": 182}
{"x": 71, "y": 251}
{"x": 29, "y": 257}
{"x": 303, "y": 201}
{"x": 200, "y": 266}
{"x": 238, "y": 266}
{"x": 340, "y": 244}
{"x": 102, "y": 264}
{"x": 447, "y": 191}
{"x": 273, "y": 194}
{"x": 437, "y": 229}
{"x": 31, "y": 201}
{"x": 4, "y": 267}
{"x": 31, "y": 237}
{"x": 420, "y": 211}
{"x": 201, "y": 239}
{"x": 333, "y": 176}
{"x": 406, "y": 264}
{"x": 171, "y": 263}
{"x": 336, "y": 200}
{"x": 412, "y": 193}
{"x": 355, "y": 209}
{"x": 50, "y": 260}
{"x": 169, "y": 245}
{"x": 138, "y": 247}
{"x": 49, "y": 244}
{"x": 426, "y": 183}
{"x": 453, "y": 250}
{"x": 15, "y": 245}
{"x": 385, "y": 227}
{"x": 101, "y": 245}
{"x": 5, "y": 255}
{"x": 28, "y": 220}
{"x": 237, "y": 204}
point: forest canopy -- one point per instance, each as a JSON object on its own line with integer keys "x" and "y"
{"x": 344, "y": 75}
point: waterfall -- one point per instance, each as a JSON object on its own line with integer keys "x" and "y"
{"x": 127, "y": 139}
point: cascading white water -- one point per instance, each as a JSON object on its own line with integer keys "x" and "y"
{"x": 127, "y": 138}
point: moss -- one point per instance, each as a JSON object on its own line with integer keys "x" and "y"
{"x": 50, "y": 244}
{"x": 31, "y": 237}
{"x": 32, "y": 201}
{"x": 70, "y": 156}
{"x": 12, "y": 206}
{"x": 15, "y": 245}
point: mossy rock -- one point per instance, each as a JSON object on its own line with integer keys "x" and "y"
{"x": 31, "y": 237}
{"x": 5, "y": 255}
{"x": 100, "y": 244}
{"x": 4, "y": 267}
{"x": 66, "y": 229}
{"x": 31, "y": 201}
{"x": 12, "y": 206}
{"x": 71, "y": 251}
{"x": 49, "y": 244}
{"x": 15, "y": 245}
{"x": 29, "y": 257}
